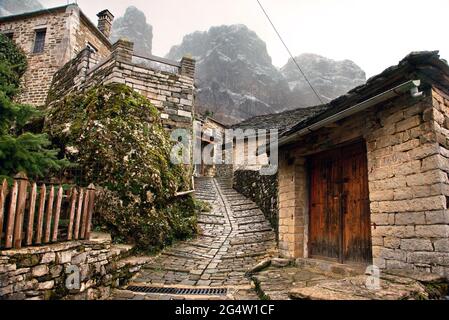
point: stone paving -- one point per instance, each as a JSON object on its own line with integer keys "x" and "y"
{"x": 308, "y": 279}
{"x": 233, "y": 237}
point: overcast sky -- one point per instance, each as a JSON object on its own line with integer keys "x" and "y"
{"x": 375, "y": 34}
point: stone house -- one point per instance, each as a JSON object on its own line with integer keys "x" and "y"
{"x": 67, "y": 52}
{"x": 263, "y": 189}
{"x": 52, "y": 37}
{"x": 210, "y": 133}
{"x": 365, "y": 179}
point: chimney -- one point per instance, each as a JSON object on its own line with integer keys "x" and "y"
{"x": 188, "y": 67}
{"x": 105, "y": 19}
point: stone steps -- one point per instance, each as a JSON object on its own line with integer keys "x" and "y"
{"x": 234, "y": 236}
{"x": 265, "y": 230}
{"x": 331, "y": 267}
{"x": 220, "y": 223}
{"x": 255, "y": 226}
{"x": 236, "y": 210}
{"x": 245, "y": 240}
{"x": 162, "y": 268}
{"x": 248, "y": 214}
{"x": 181, "y": 255}
{"x": 211, "y": 215}
{"x": 260, "y": 220}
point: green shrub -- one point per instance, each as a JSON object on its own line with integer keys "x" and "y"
{"x": 20, "y": 150}
{"x": 116, "y": 137}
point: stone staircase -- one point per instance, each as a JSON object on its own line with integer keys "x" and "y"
{"x": 233, "y": 236}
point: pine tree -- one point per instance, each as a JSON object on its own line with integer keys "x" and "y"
{"x": 20, "y": 150}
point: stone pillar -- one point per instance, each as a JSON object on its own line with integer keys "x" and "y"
{"x": 293, "y": 206}
{"x": 188, "y": 67}
{"x": 82, "y": 67}
{"x": 123, "y": 50}
{"x": 105, "y": 19}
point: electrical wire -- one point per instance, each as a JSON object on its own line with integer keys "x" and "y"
{"x": 290, "y": 53}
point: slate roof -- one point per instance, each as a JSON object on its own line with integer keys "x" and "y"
{"x": 282, "y": 121}
{"x": 425, "y": 66}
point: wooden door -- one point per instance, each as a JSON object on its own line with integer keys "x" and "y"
{"x": 325, "y": 209}
{"x": 339, "y": 205}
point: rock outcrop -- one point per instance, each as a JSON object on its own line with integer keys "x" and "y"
{"x": 330, "y": 78}
{"x": 236, "y": 79}
{"x": 134, "y": 27}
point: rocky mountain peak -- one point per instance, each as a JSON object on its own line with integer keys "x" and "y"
{"x": 330, "y": 78}
{"x": 134, "y": 27}
{"x": 235, "y": 42}
{"x": 235, "y": 75}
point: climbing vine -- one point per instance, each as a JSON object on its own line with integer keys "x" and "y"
{"x": 116, "y": 137}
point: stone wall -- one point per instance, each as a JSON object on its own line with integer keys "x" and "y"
{"x": 67, "y": 33}
{"x": 211, "y": 135}
{"x": 70, "y": 76}
{"x": 40, "y": 273}
{"x": 42, "y": 66}
{"x": 407, "y": 183}
{"x": 224, "y": 171}
{"x": 263, "y": 190}
{"x": 172, "y": 93}
{"x": 85, "y": 34}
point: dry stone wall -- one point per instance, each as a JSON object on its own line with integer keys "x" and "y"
{"x": 41, "y": 273}
{"x": 224, "y": 171}
{"x": 263, "y": 190}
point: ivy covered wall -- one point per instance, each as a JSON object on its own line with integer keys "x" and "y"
{"x": 116, "y": 138}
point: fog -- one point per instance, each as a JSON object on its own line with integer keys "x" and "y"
{"x": 374, "y": 34}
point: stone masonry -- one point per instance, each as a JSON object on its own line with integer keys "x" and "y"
{"x": 408, "y": 182}
{"x": 68, "y": 32}
{"x": 42, "y": 273}
{"x": 262, "y": 189}
{"x": 169, "y": 85}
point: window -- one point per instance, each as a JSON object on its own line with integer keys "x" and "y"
{"x": 39, "y": 42}
{"x": 92, "y": 48}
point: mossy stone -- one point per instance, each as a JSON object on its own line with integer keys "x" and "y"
{"x": 26, "y": 261}
{"x": 116, "y": 138}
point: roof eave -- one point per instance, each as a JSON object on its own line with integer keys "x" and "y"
{"x": 292, "y": 136}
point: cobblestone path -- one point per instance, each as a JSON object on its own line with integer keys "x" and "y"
{"x": 234, "y": 236}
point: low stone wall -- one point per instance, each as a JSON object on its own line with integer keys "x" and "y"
{"x": 224, "y": 170}
{"x": 172, "y": 93}
{"x": 261, "y": 189}
{"x": 42, "y": 273}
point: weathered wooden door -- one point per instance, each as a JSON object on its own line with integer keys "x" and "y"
{"x": 339, "y": 226}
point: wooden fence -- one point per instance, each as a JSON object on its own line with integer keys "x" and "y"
{"x": 32, "y": 216}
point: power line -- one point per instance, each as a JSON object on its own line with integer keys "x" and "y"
{"x": 289, "y": 52}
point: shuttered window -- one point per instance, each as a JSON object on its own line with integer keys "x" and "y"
{"x": 39, "y": 42}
